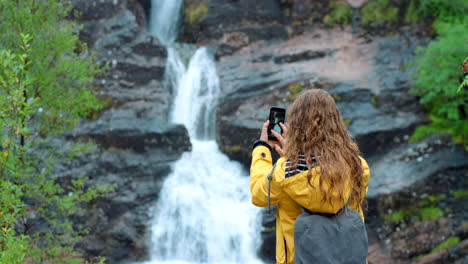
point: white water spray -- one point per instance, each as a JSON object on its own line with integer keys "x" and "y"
{"x": 204, "y": 213}
{"x": 165, "y": 19}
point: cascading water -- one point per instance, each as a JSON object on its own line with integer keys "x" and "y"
{"x": 204, "y": 214}
{"x": 164, "y": 19}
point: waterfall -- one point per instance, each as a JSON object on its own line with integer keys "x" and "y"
{"x": 164, "y": 19}
{"x": 204, "y": 213}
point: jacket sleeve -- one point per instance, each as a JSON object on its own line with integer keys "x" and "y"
{"x": 366, "y": 175}
{"x": 259, "y": 170}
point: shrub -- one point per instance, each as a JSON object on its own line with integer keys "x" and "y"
{"x": 378, "y": 11}
{"x": 437, "y": 80}
{"x": 340, "y": 13}
{"x": 43, "y": 91}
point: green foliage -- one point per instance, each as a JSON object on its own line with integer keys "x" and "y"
{"x": 464, "y": 83}
{"x": 340, "y": 13}
{"x": 432, "y": 200}
{"x": 450, "y": 242}
{"x": 43, "y": 90}
{"x": 442, "y": 10}
{"x": 59, "y": 77}
{"x": 431, "y": 213}
{"x": 12, "y": 247}
{"x": 460, "y": 194}
{"x": 436, "y": 82}
{"x": 448, "y": 11}
{"x": 412, "y": 12}
{"x": 378, "y": 11}
{"x": 395, "y": 217}
{"x": 193, "y": 13}
{"x": 426, "y": 210}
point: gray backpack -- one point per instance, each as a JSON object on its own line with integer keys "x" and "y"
{"x": 328, "y": 238}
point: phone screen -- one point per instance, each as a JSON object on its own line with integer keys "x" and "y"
{"x": 277, "y": 115}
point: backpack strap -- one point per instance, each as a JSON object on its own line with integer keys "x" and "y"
{"x": 304, "y": 210}
{"x": 269, "y": 177}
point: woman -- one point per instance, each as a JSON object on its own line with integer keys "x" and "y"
{"x": 319, "y": 169}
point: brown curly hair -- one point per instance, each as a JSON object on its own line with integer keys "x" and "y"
{"x": 317, "y": 130}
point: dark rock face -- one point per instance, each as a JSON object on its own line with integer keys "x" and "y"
{"x": 408, "y": 164}
{"x": 94, "y": 10}
{"x": 308, "y": 10}
{"x": 255, "y": 20}
{"x": 372, "y": 96}
{"x": 119, "y": 222}
{"x": 305, "y": 55}
{"x": 123, "y": 131}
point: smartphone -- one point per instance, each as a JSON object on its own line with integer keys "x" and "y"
{"x": 277, "y": 115}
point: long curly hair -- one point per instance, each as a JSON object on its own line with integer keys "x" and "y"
{"x": 317, "y": 130}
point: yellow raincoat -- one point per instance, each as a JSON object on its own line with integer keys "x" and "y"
{"x": 288, "y": 194}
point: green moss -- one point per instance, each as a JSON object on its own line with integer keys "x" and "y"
{"x": 374, "y": 101}
{"x": 340, "y": 13}
{"x": 426, "y": 210}
{"x": 235, "y": 148}
{"x": 431, "y": 213}
{"x": 347, "y": 122}
{"x": 432, "y": 200}
{"x": 460, "y": 194}
{"x": 274, "y": 23}
{"x": 294, "y": 90}
{"x": 193, "y": 13}
{"x": 378, "y": 11}
{"x": 396, "y": 217}
{"x": 337, "y": 98}
{"x": 450, "y": 242}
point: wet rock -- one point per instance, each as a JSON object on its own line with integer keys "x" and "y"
{"x": 307, "y": 10}
{"x": 94, "y": 10}
{"x": 251, "y": 82}
{"x": 408, "y": 164}
{"x": 150, "y": 47}
{"x": 305, "y": 55}
{"x": 122, "y": 130}
{"x": 119, "y": 221}
{"x": 457, "y": 254}
{"x": 420, "y": 238}
{"x": 139, "y": 74}
{"x": 117, "y": 31}
{"x": 256, "y": 19}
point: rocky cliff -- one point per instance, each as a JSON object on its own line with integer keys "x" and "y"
{"x": 136, "y": 144}
{"x": 268, "y": 51}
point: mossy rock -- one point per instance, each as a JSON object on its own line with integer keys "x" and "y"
{"x": 294, "y": 90}
{"x": 194, "y": 12}
{"x": 235, "y": 148}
